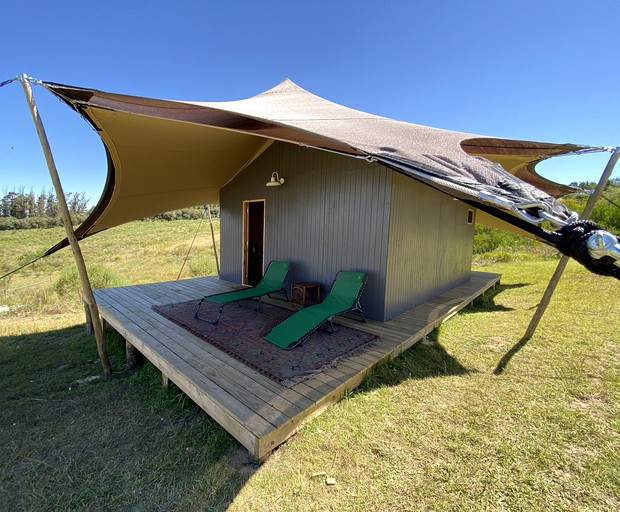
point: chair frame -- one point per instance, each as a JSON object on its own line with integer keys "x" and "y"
{"x": 355, "y": 308}
{"x": 257, "y": 298}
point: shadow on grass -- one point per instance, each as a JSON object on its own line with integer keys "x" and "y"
{"x": 507, "y": 357}
{"x": 485, "y": 303}
{"x": 72, "y": 441}
{"x": 428, "y": 358}
{"x": 425, "y": 359}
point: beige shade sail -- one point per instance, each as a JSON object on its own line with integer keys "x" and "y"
{"x": 165, "y": 155}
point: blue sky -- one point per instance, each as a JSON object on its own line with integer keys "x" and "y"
{"x": 528, "y": 69}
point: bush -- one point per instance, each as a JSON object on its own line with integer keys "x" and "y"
{"x": 8, "y": 223}
{"x": 203, "y": 266}
{"x": 487, "y": 239}
{"x": 194, "y": 213}
{"x": 100, "y": 277}
{"x": 606, "y": 213}
{"x": 496, "y": 245}
{"x": 575, "y": 202}
{"x": 497, "y": 256}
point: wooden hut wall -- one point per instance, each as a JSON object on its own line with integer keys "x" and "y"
{"x": 430, "y": 245}
{"x": 332, "y": 213}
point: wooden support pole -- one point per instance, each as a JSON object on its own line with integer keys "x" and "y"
{"x": 217, "y": 263}
{"x": 87, "y": 290}
{"x": 592, "y": 200}
{"x": 546, "y": 298}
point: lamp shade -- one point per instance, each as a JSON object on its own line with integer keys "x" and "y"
{"x": 275, "y": 180}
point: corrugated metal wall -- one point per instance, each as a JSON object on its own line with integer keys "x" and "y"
{"x": 430, "y": 245}
{"x": 335, "y": 212}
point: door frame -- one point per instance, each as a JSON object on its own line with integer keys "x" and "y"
{"x": 245, "y": 248}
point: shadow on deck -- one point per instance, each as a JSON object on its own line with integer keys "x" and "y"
{"x": 260, "y": 413}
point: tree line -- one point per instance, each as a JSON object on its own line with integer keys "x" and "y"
{"x": 191, "y": 213}
{"x": 26, "y": 210}
{"x": 23, "y": 210}
{"x": 606, "y": 213}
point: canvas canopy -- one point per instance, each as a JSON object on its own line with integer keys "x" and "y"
{"x": 165, "y": 154}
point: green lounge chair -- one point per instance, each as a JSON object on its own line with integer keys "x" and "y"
{"x": 344, "y": 297}
{"x": 272, "y": 282}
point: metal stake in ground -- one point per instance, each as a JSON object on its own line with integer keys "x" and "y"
{"x": 66, "y": 220}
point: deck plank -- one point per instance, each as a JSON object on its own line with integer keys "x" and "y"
{"x": 259, "y": 412}
{"x": 245, "y": 387}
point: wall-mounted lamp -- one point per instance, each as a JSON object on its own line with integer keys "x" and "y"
{"x": 275, "y": 180}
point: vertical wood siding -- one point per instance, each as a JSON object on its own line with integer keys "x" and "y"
{"x": 430, "y": 245}
{"x": 331, "y": 214}
{"x": 335, "y": 213}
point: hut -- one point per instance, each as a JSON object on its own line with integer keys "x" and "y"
{"x": 326, "y": 188}
{"x": 334, "y": 212}
{"x": 394, "y": 199}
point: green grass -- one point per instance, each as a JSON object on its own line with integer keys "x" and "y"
{"x": 437, "y": 430}
{"x": 497, "y": 246}
{"x": 126, "y": 444}
{"x": 434, "y": 429}
{"x": 134, "y": 253}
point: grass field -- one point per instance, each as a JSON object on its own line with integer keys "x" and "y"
{"x": 435, "y": 429}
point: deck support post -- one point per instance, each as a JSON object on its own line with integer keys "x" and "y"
{"x": 89, "y": 298}
{"x": 133, "y": 355}
{"x": 89, "y": 320}
{"x": 165, "y": 381}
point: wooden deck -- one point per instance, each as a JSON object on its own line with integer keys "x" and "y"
{"x": 257, "y": 411}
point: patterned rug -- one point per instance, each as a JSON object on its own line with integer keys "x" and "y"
{"x": 239, "y": 331}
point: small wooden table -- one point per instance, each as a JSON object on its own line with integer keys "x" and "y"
{"x": 305, "y": 292}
